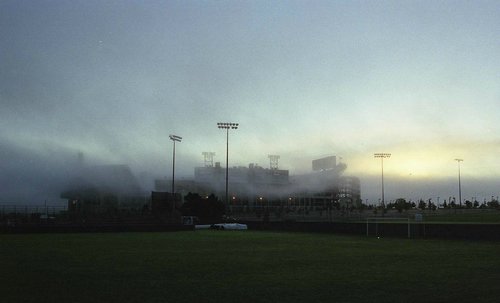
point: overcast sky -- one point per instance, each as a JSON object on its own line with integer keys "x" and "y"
{"x": 304, "y": 79}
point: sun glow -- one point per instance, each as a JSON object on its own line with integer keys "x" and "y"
{"x": 414, "y": 163}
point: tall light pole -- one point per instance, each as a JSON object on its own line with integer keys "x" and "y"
{"x": 382, "y": 156}
{"x": 459, "y": 183}
{"x": 227, "y": 126}
{"x": 174, "y": 139}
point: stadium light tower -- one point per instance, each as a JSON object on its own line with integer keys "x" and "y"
{"x": 174, "y": 139}
{"x": 227, "y": 126}
{"x": 382, "y": 156}
{"x": 459, "y": 183}
{"x": 209, "y": 158}
{"x": 273, "y": 161}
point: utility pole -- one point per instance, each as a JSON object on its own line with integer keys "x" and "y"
{"x": 227, "y": 127}
{"x": 174, "y": 139}
{"x": 459, "y": 183}
{"x": 382, "y": 156}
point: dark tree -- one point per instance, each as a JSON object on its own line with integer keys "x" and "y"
{"x": 493, "y": 204}
{"x": 401, "y": 205}
{"x": 208, "y": 209}
{"x": 431, "y": 205}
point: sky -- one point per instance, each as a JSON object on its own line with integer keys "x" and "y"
{"x": 304, "y": 80}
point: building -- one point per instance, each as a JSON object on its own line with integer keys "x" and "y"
{"x": 104, "y": 188}
{"x": 245, "y": 184}
{"x": 243, "y": 181}
{"x": 349, "y": 191}
{"x": 255, "y": 186}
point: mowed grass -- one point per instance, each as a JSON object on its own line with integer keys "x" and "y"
{"x": 478, "y": 217}
{"x": 244, "y": 266}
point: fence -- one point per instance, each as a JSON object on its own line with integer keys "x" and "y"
{"x": 31, "y": 209}
{"x": 295, "y": 213}
{"x": 28, "y": 213}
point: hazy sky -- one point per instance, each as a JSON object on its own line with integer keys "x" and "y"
{"x": 304, "y": 79}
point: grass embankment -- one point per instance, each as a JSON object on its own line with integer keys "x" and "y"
{"x": 464, "y": 216}
{"x": 223, "y": 266}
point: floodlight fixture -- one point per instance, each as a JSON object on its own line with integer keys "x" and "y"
{"x": 175, "y": 138}
{"x": 227, "y": 125}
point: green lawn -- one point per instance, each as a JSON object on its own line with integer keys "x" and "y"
{"x": 464, "y": 216}
{"x": 244, "y": 266}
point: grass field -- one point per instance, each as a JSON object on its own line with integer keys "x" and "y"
{"x": 225, "y": 266}
{"x": 464, "y": 216}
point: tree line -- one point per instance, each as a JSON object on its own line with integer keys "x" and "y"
{"x": 401, "y": 204}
